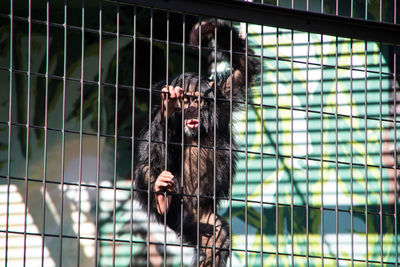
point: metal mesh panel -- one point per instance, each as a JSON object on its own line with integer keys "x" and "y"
{"x": 316, "y": 178}
{"x": 382, "y": 11}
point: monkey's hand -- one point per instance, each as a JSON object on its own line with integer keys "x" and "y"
{"x": 175, "y": 95}
{"x": 164, "y": 183}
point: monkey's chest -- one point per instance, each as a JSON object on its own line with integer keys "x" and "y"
{"x": 198, "y": 168}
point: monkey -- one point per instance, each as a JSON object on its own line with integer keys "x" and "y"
{"x": 188, "y": 179}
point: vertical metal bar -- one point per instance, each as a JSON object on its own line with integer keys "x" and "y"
{"x": 81, "y": 132}
{"x": 337, "y": 148}
{"x": 182, "y": 131}
{"x": 149, "y": 189}
{"x": 45, "y": 129}
{"x": 97, "y": 244}
{"x": 351, "y": 153}
{"x": 380, "y": 156}
{"x": 63, "y": 133}
{"x": 166, "y": 143}
{"x": 291, "y": 150}
{"x": 133, "y": 137}
{"x": 307, "y": 153}
{"x": 166, "y": 119}
{"x": 116, "y": 137}
{"x": 337, "y": 8}
{"x": 230, "y": 142}
{"x": 277, "y": 148}
{"x": 351, "y": 8}
{"x": 366, "y": 145}
{"x": 246, "y": 152}
{"x": 322, "y": 149}
{"x": 395, "y": 154}
{"x": 262, "y": 147}
{"x": 214, "y": 137}
{"x": 198, "y": 155}
{"x": 27, "y": 126}
{"x": 11, "y": 71}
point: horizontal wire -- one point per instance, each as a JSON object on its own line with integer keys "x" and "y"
{"x": 190, "y": 246}
{"x": 127, "y": 189}
{"x": 218, "y": 99}
{"x": 202, "y": 146}
{"x": 157, "y": 92}
{"x": 211, "y": 49}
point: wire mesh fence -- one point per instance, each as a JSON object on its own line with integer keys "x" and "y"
{"x": 381, "y": 11}
{"x": 309, "y": 150}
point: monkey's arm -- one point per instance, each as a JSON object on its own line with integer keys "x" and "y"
{"x": 147, "y": 174}
{"x": 150, "y": 174}
{"x": 242, "y": 65}
{"x": 150, "y": 162}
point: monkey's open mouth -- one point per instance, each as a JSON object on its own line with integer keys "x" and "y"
{"x": 192, "y": 123}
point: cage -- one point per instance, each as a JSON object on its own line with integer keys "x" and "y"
{"x": 316, "y": 179}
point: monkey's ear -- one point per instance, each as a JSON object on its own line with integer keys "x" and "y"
{"x": 234, "y": 82}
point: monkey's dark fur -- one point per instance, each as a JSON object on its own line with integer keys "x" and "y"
{"x": 186, "y": 188}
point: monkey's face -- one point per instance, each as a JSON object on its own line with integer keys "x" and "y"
{"x": 192, "y": 106}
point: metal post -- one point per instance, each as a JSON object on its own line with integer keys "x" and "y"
{"x": 27, "y": 127}
{"x": 11, "y": 71}
{"x": 98, "y": 160}
{"x": 182, "y": 132}
{"x": 64, "y": 79}
{"x": 149, "y": 189}
{"x": 45, "y": 130}
{"x": 133, "y": 137}
{"x": 81, "y": 133}
{"x": 277, "y": 149}
{"x": 115, "y": 139}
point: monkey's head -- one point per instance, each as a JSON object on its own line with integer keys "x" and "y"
{"x": 198, "y": 105}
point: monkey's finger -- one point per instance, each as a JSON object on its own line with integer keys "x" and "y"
{"x": 169, "y": 182}
{"x": 172, "y": 91}
{"x": 160, "y": 188}
{"x": 167, "y": 173}
{"x": 179, "y": 92}
{"x": 161, "y": 183}
{"x": 164, "y": 92}
{"x": 166, "y": 179}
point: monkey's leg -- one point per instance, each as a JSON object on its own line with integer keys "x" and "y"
{"x": 208, "y": 242}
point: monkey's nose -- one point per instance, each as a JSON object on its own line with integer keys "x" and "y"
{"x": 191, "y": 110}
